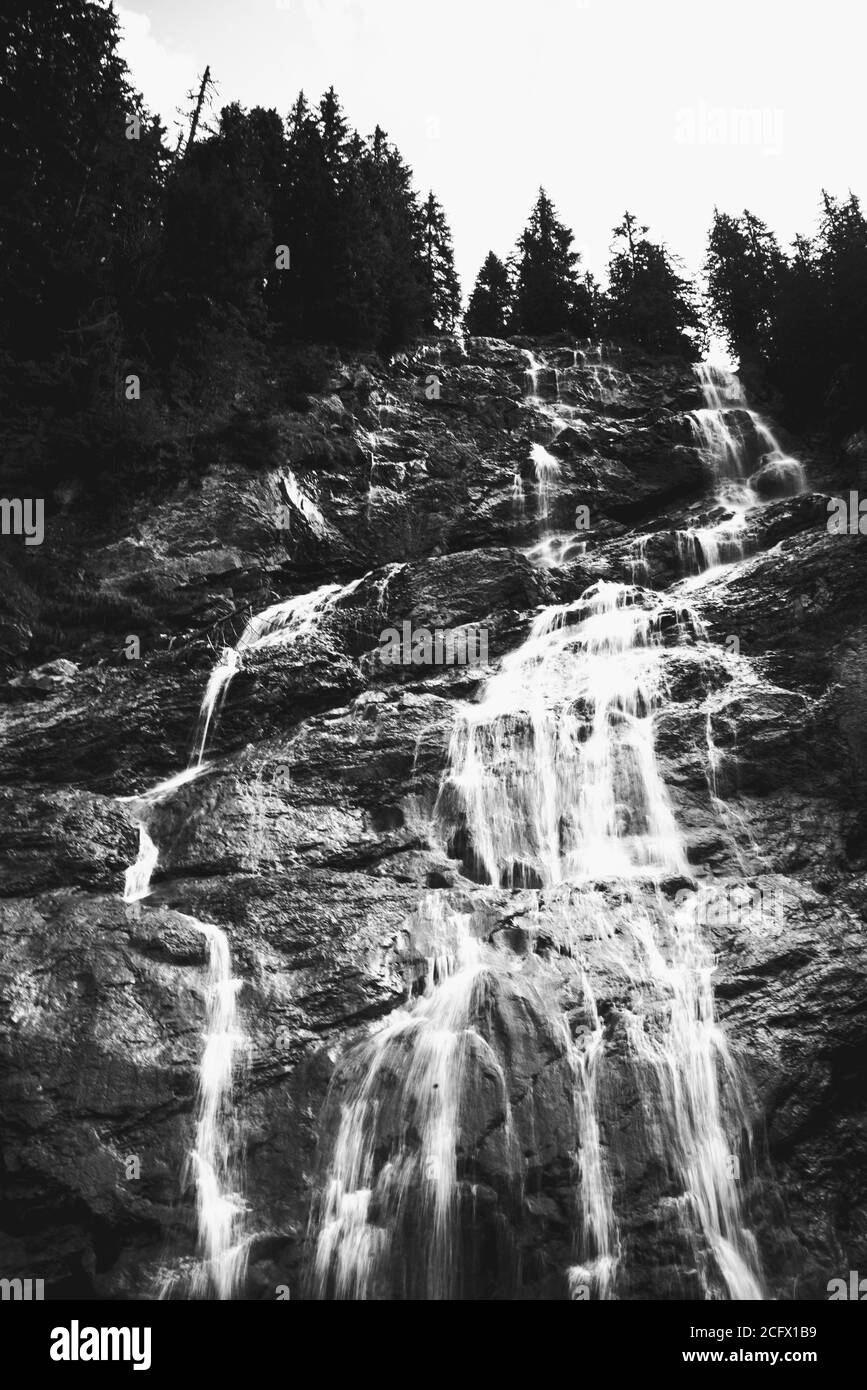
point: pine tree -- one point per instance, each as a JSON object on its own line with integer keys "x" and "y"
{"x": 802, "y": 333}
{"x": 400, "y": 223}
{"x": 743, "y": 266}
{"x": 490, "y": 306}
{"x": 441, "y": 280}
{"x": 218, "y": 238}
{"x": 548, "y": 295}
{"x": 648, "y": 301}
{"x": 309, "y": 213}
{"x": 802, "y": 317}
{"x": 841, "y": 260}
{"x": 82, "y": 163}
{"x": 83, "y": 172}
{"x": 334, "y": 131}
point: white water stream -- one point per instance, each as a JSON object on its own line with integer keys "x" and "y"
{"x": 560, "y": 790}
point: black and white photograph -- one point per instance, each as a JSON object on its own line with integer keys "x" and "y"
{"x": 433, "y": 672}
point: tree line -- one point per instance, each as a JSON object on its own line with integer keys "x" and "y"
{"x": 191, "y": 271}
{"x": 795, "y": 321}
{"x": 797, "y": 317}
{"x": 541, "y": 290}
{"x": 206, "y": 271}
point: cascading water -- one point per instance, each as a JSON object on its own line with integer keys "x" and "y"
{"x": 215, "y": 1168}
{"x": 534, "y": 367}
{"x": 547, "y": 467}
{"x": 518, "y": 492}
{"x": 558, "y": 776}
{"x": 687, "y": 1061}
{"x": 216, "y": 1173}
{"x": 599, "y": 1243}
{"x": 554, "y": 786}
{"x": 283, "y": 623}
{"x": 220, "y": 1205}
{"x": 555, "y": 765}
{"x": 558, "y": 783}
{"x": 720, "y": 387}
{"x": 552, "y": 549}
{"x": 744, "y": 459}
{"x": 137, "y": 879}
{"x": 402, "y": 1091}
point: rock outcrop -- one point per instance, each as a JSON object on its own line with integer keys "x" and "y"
{"x": 311, "y": 836}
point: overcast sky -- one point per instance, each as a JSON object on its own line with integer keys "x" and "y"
{"x": 667, "y": 107}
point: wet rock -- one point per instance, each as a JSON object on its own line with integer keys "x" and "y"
{"x": 52, "y": 676}
{"x": 318, "y": 840}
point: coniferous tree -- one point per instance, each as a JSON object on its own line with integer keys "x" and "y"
{"x": 79, "y": 223}
{"x": 217, "y": 239}
{"x": 648, "y": 301}
{"x": 441, "y": 280}
{"x": 743, "y": 267}
{"x": 841, "y": 261}
{"x": 548, "y": 296}
{"x": 490, "y": 306}
{"x": 802, "y": 318}
{"x": 402, "y": 281}
{"x": 81, "y": 160}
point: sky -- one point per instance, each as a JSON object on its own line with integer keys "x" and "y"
{"x": 666, "y": 107}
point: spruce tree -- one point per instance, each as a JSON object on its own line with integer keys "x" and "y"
{"x": 743, "y": 266}
{"x": 648, "y": 301}
{"x": 441, "y": 280}
{"x": 82, "y": 163}
{"x": 548, "y": 297}
{"x": 217, "y": 236}
{"x": 83, "y": 174}
{"x": 490, "y": 306}
{"x": 400, "y": 224}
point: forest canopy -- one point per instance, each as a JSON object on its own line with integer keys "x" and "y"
{"x": 200, "y": 272}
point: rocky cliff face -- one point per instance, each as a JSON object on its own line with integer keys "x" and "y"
{"x": 441, "y": 492}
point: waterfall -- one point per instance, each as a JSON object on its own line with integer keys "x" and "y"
{"x": 215, "y": 1169}
{"x": 687, "y": 1060}
{"x": 731, "y": 436}
{"x": 720, "y": 387}
{"x": 546, "y": 467}
{"x": 402, "y": 1091}
{"x": 732, "y": 440}
{"x": 518, "y": 492}
{"x": 702, "y": 549}
{"x": 553, "y": 787}
{"x": 281, "y": 624}
{"x": 215, "y": 693}
{"x": 534, "y": 367}
{"x": 556, "y": 777}
{"x": 559, "y": 781}
{"x": 220, "y": 1209}
{"x": 220, "y": 1206}
{"x": 599, "y": 1239}
{"x": 137, "y": 878}
{"x": 555, "y": 765}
